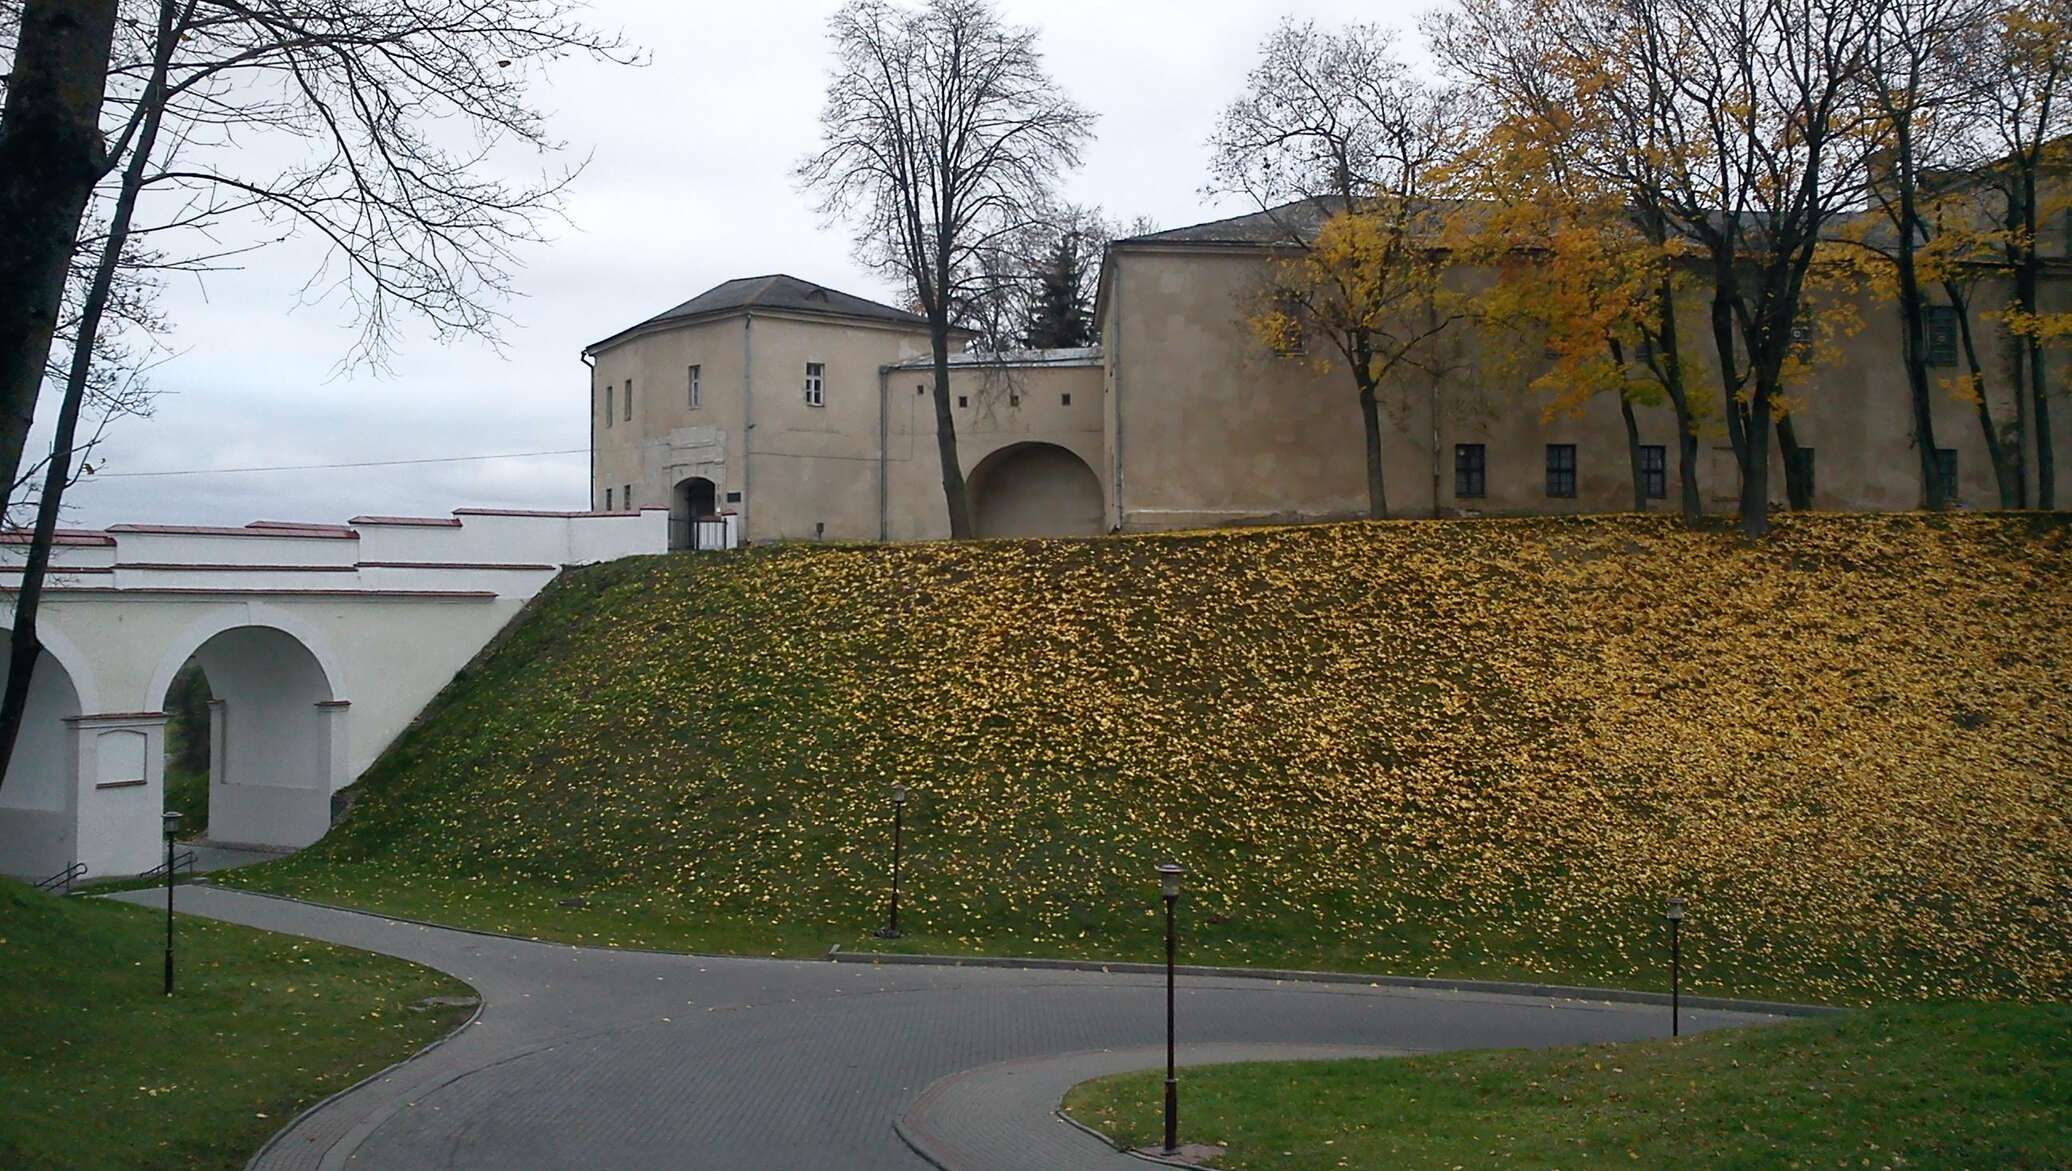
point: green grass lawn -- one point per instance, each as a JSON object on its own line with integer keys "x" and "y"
{"x": 99, "y": 1071}
{"x": 187, "y": 792}
{"x": 1917, "y": 1087}
{"x": 1483, "y": 748}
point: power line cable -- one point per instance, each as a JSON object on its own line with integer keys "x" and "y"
{"x": 377, "y": 463}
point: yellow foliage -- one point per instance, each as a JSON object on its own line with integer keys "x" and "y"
{"x": 1416, "y": 747}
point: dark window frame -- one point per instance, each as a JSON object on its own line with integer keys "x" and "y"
{"x": 1561, "y": 471}
{"x": 1939, "y": 334}
{"x": 1654, "y": 471}
{"x": 1470, "y": 471}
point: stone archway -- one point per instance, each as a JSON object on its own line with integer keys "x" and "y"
{"x": 276, "y": 737}
{"x": 691, "y": 501}
{"x": 1035, "y": 490}
{"x": 38, "y": 826}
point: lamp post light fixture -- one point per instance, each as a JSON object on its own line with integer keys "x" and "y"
{"x": 899, "y": 797}
{"x": 172, "y": 826}
{"x": 1169, "y": 888}
{"x": 1675, "y": 916}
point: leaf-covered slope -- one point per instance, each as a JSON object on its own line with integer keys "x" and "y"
{"x": 1484, "y": 747}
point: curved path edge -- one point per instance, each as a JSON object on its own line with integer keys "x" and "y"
{"x": 1428, "y": 983}
{"x": 259, "y": 1156}
{"x": 1006, "y": 1116}
{"x": 835, "y": 954}
{"x": 580, "y": 1057}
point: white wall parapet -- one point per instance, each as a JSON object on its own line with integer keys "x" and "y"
{"x": 321, "y": 643}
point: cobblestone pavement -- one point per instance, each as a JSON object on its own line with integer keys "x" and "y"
{"x": 598, "y": 1059}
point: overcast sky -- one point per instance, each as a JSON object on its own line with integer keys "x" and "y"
{"x": 688, "y": 185}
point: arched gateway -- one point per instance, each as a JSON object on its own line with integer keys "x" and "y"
{"x": 1035, "y": 490}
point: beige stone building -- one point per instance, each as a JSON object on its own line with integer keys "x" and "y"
{"x": 805, "y": 412}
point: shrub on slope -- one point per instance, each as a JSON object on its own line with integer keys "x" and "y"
{"x": 1483, "y": 747}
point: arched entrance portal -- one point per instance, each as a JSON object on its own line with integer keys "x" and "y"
{"x": 38, "y": 826}
{"x": 1035, "y": 490}
{"x": 691, "y": 501}
{"x": 276, "y": 736}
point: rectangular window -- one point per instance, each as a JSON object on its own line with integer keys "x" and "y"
{"x": 1561, "y": 469}
{"x": 963, "y": 400}
{"x": 1941, "y": 324}
{"x": 1065, "y": 400}
{"x": 629, "y": 400}
{"x": 626, "y": 498}
{"x": 608, "y": 500}
{"x": 816, "y": 384}
{"x": 1470, "y": 470}
{"x": 697, "y": 394}
{"x": 1654, "y": 470}
{"x": 1946, "y": 471}
{"x": 609, "y": 414}
{"x": 1014, "y": 400}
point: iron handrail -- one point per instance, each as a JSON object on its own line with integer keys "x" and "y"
{"x": 64, "y": 878}
{"x": 184, "y": 860}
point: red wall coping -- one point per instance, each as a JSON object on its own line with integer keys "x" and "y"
{"x": 63, "y": 537}
{"x": 451, "y": 565}
{"x": 323, "y": 534}
{"x": 550, "y": 513}
{"x": 430, "y": 522}
{"x": 462, "y": 595}
{"x": 297, "y": 524}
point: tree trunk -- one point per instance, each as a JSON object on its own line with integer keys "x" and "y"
{"x": 51, "y": 155}
{"x": 953, "y": 488}
{"x": 26, "y": 647}
{"x": 2027, "y": 274}
{"x": 2039, "y": 424}
{"x": 1914, "y": 332}
{"x": 1671, "y": 360}
{"x": 1755, "y": 465}
{"x": 1370, "y": 419}
{"x": 1748, "y": 426}
{"x": 1640, "y": 477}
{"x": 2007, "y": 467}
{"x": 1798, "y": 479}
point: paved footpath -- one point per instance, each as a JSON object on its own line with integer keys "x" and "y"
{"x": 589, "y": 1058}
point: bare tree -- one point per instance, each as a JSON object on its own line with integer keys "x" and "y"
{"x": 1596, "y": 167}
{"x": 1343, "y": 147}
{"x": 273, "y": 117}
{"x": 1921, "y": 93}
{"x": 2026, "y": 68}
{"x": 1752, "y": 112}
{"x": 941, "y": 137}
{"x": 51, "y": 156}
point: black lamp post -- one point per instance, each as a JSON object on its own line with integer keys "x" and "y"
{"x": 899, "y": 795}
{"x": 1169, "y": 888}
{"x": 172, "y": 826}
{"x": 1675, "y": 915}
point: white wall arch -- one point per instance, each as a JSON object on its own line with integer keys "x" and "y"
{"x": 231, "y": 617}
{"x": 59, "y": 646}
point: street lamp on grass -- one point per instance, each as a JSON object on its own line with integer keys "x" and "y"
{"x": 899, "y": 796}
{"x": 1169, "y": 888}
{"x": 172, "y": 826}
{"x": 1675, "y": 916}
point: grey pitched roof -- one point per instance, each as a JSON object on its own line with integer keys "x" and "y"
{"x": 776, "y": 291}
{"x": 1276, "y": 225}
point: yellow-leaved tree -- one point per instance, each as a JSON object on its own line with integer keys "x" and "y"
{"x": 1344, "y": 149}
{"x": 1576, "y": 273}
